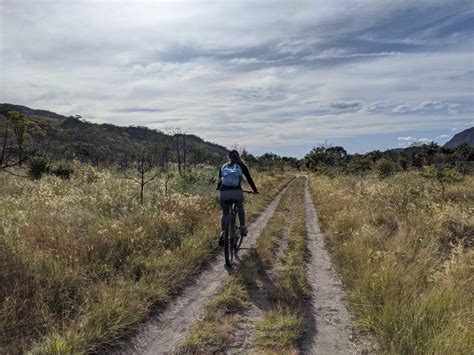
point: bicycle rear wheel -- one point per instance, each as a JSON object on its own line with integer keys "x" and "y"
{"x": 229, "y": 241}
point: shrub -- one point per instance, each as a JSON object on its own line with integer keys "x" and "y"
{"x": 37, "y": 167}
{"x": 386, "y": 168}
{"x": 443, "y": 176}
{"x": 63, "y": 171}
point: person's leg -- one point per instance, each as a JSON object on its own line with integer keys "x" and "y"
{"x": 223, "y": 196}
{"x": 225, "y": 214}
{"x": 240, "y": 199}
{"x": 241, "y": 212}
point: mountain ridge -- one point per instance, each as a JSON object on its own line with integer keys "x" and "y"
{"x": 464, "y": 137}
{"x": 73, "y": 137}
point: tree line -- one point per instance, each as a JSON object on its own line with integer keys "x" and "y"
{"x": 326, "y": 158}
{"x": 49, "y": 146}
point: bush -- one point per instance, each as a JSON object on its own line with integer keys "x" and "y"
{"x": 386, "y": 168}
{"x": 358, "y": 165}
{"x": 37, "y": 166}
{"x": 63, "y": 171}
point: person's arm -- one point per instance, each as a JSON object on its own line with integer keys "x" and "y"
{"x": 219, "y": 182}
{"x": 246, "y": 172}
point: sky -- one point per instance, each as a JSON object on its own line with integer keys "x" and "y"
{"x": 279, "y": 76}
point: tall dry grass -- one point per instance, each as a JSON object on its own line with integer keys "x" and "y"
{"x": 406, "y": 255}
{"x": 82, "y": 261}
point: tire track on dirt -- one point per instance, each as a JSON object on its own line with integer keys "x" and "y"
{"x": 260, "y": 293}
{"x": 329, "y": 324}
{"x": 161, "y": 334}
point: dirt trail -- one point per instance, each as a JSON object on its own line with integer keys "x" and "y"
{"x": 329, "y": 325}
{"x": 244, "y": 337}
{"x": 160, "y": 335}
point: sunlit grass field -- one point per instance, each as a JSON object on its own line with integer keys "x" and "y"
{"x": 82, "y": 261}
{"x": 406, "y": 255}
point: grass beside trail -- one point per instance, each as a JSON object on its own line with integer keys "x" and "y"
{"x": 282, "y": 325}
{"x": 406, "y": 254}
{"x": 82, "y": 262}
{"x": 224, "y": 311}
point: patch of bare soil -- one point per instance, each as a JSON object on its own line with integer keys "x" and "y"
{"x": 161, "y": 334}
{"x": 329, "y": 324}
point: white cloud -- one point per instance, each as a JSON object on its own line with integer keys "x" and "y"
{"x": 452, "y": 108}
{"x": 428, "y": 105}
{"x": 342, "y": 105}
{"x": 412, "y": 141}
{"x": 339, "y": 53}
{"x": 376, "y": 106}
{"x": 402, "y": 109}
{"x": 425, "y": 106}
{"x": 407, "y": 139}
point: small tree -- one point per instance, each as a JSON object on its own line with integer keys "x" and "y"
{"x": 386, "y": 168}
{"x": 165, "y": 164}
{"x": 442, "y": 175}
{"x": 324, "y": 156}
{"x": 7, "y": 146}
{"x": 18, "y": 122}
{"x": 358, "y": 164}
{"x": 144, "y": 163}
{"x": 178, "y": 140}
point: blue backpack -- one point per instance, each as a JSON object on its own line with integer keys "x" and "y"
{"x": 231, "y": 174}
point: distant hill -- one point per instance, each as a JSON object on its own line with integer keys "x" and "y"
{"x": 4, "y": 108}
{"x": 70, "y": 137}
{"x": 464, "y": 137}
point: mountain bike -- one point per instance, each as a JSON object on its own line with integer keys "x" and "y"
{"x": 232, "y": 237}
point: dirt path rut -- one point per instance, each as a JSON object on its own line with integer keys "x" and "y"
{"x": 160, "y": 335}
{"x": 260, "y": 294}
{"x": 329, "y": 323}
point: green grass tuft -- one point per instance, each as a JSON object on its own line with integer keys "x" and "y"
{"x": 278, "y": 330}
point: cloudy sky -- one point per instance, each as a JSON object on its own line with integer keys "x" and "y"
{"x": 277, "y": 76}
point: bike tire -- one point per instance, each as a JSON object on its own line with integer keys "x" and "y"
{"x": 228, "y": 248}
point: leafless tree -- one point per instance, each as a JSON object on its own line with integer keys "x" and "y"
{"x": 145, "y": 164}
{"x": 5, "y": 160}
{"x": 178, "y": 140}
{"x": 14, "y": 129}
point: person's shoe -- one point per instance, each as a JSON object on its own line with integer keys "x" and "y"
{"x": 243, "y": 231}
{"x": 221, "y": 239}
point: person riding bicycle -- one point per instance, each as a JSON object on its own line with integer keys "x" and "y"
{"x": 230, "y": 187}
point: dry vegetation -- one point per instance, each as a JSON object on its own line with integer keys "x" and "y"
{"x": 82, "y": 261}
{"x": 405, "y": 253}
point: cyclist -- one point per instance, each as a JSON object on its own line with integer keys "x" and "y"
{"x": 230, "y": 187}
